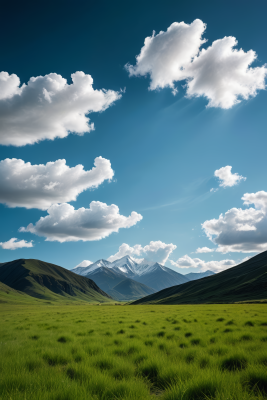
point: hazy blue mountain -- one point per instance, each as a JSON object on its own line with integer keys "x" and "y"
{"x": 192, "y": 276}
{"x": 128, "y": 289}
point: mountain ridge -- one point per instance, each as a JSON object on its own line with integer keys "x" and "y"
{"x": 246, "y": 281}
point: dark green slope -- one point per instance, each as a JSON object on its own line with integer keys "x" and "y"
{"x": 129, "y": 289}
{"x": 245, "y": 282}
{"x": 48, "y": 281}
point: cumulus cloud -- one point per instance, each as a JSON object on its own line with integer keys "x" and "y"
{"x": 227, "y": 179}
{"x": 241, "y": 230}
{"x": 14, "y": 244}
{"x": 155, "y": 251}
{"x": 204, "y": 250}
{"x": 39, "y": 186}
{"x": 47, "y": 107}
{"x": 215, "y": 266}
{"x": 64, "y": 224}
{"x": 220, "y": 73}
{"x": 165, "y": 56}
{"x": 84, "y": 263}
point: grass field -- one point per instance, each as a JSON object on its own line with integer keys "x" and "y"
{"x": 68, "y": 352}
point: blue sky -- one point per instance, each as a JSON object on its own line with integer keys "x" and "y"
{"x": 163, "y": 148}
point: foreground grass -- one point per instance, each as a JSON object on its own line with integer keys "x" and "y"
{"x": 70, "y": 352}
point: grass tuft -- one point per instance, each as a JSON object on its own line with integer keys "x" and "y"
{"x": 234, "y": 363}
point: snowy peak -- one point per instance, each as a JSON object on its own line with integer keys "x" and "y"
{"x": 125, "y": 265}
{"x": 90, "y": 268}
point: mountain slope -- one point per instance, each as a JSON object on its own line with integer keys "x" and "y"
{"x": 128, "y": 289}
{"x": 105, "y": 278}
{"x": 192, "y": 276}
{"x": 159, "y": 277}
{"x": 246, "y": 281}
{"x": 48, "y": 281}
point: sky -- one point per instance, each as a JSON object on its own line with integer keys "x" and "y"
{"x": 133, "y": 129}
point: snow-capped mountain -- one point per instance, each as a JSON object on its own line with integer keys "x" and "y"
{"x": 149, "y": 273}
{"x": 90, "y": 268}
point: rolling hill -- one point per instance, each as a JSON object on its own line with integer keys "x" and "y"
{"x": 244, "y": 282}
{"x": 50, "y": 282}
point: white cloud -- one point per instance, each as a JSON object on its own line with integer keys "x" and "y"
{"x": 220, "y": 73}
{"x": 9, "y": 85}
{"x": 84, "y": 263}
{"x": 227, "y": 179}
{"x": 204, "y": 250}
{"x": 155, "y": 251}
{"x": 39, "y": 186}
{"x": 47, "y": 107}
{"x": 241, "y": 230}
{"x": 14, "y": 244}
{"x": 215, "y": 266}
{"x": 63, "y": 223}
{"x": 165, "y": 56}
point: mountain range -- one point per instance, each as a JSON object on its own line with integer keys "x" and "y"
{"x": 125, "y": 279}
{"x": 244, "y": 282}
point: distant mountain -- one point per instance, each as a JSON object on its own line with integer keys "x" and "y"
{"x": 84, "y": 270}
{"x": 159, "y": 277}
{"x": 192, "y": 276}
{"x": 148, "y": 273}
{"x": 106, "y": 278}
{"x": 244, "y": 282}
{"x": 128, "y": 289}
{"x": 48, "y": 281}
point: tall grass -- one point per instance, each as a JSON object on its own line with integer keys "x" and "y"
{"x": 71, "y": 352}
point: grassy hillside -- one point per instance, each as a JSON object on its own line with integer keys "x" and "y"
{"x": 128, "y": 289}
{"x": 245, "y": 282}
{"x": 10, "y": 295}
{"x": 49, "y": 282}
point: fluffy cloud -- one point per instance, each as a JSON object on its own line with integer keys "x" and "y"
{"x": 63, "y": 223}
{"x": 215, "y": 266}
{"x": 227, "y": 178}
{"x": 241, "y": 230}
{"x": 47, "y": 107}
{"x": 204, "y": 250}
{"x": 84, "y": 263}
{"x": 165, "y": 56}
{"x": 39, "y": 186}
{"x": 220, "y": 73}
{"x": 14, "y": 244}
{"x": 155, "y": 251}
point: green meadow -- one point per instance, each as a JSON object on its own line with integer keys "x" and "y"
{"x": 179, "y": 352}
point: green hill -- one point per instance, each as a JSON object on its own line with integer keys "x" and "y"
{"x": 49, "y": 282}
{"x": 244, "y": 282}
{"x": 128, "y": 289}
